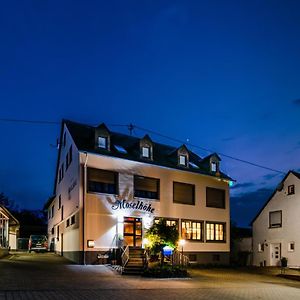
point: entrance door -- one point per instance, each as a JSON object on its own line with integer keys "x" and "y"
{"x": 133, "y": 231}
{"x": 275, "y": 254}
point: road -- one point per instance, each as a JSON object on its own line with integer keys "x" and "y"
{"x": 48, "y": 276}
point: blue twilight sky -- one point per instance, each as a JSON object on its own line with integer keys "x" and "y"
{"x": 223, "y": 74}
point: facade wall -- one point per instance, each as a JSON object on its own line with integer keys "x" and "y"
{"x": 66, "y": 238}
{"x": 103, "y": 223}
{"x": 284, "y": 235}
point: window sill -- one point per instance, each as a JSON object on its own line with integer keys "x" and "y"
{"x": 102, "y": 193}
{"x": 148, "y": 199}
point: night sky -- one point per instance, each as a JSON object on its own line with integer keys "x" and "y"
{"x": 223, "y": 75}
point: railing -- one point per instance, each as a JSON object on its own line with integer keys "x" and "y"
{"x": 146, "y": 258}
{"x": 178, "y": 258}
{"x": 125, "y": 254}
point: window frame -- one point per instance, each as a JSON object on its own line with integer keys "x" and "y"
{"x": 116, "y": 183}
{"x": 183, "y": 156}
{"x": 275, "y": 225}
{"x": 191, "y": 226}
{"x": 146, "y": 148}
{"x": 291, "y": 189}
{"x": 105, "y": 139}
{"x": 290, "y": 248}
{"x": 217, "y": 189}
{"x": 188, "y": 184}
{"x": 214, "y": 240}
{"x": 157, "y": 219}
{"x": 152, "y": 178}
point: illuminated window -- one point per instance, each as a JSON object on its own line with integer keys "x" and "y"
{"x": 146, "y": 152}
{"x": 215, "y": 232}
{"x": 102, "y": 142}
{"x": 291, "y": 189}
{"x": 145, "y": 187}
{"x": 183, "y": 193}
{"x": 275, "y": 219}
{"x": 183, "y": 160}
{"x": 102, "y": 181}
{"x": 213, "y": 166}
{"x": 192, "y": 230}
{"x": 169, "y": 222}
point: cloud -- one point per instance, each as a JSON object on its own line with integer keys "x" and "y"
{"x": 243, "y": 185}
{"x": 296, "y": 102}
{"x": 245, "y": 206}
{"x": 270, "y": 176}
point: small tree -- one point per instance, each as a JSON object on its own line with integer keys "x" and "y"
{"x": 160, "y": 235}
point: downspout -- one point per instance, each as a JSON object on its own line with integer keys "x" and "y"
{"x": 83, "y": 203}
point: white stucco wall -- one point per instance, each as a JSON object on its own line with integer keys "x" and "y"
{"x": 101, "y": 220}
{"x": 289, "y": 232}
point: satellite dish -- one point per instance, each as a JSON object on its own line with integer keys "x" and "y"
{"x": 280, "y": 186}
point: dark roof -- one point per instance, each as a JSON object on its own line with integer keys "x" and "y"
{"x": 163, "y": 155}
{"x": 278, "y": 188}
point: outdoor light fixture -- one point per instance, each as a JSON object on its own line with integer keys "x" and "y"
{"x": 91, "y": 243}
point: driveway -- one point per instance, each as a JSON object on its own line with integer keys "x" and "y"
{"x": 37, "y": 276}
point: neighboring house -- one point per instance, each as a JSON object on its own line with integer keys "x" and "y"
{"x": 241, "y": 246}
{"x": 276, "y": 227}
{"x": 9, "y": 229}
{"x": 110, "y": 187}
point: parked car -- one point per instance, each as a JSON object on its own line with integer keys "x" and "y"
{"x": 38, "y": 243}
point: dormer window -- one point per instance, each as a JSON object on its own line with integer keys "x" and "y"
{"x": 102, "y": 142}
{"x": 146, "y": 152}
{"x": 213, "y": 166}
{"x": 183, "y": 160}
{"x": 146, "y": 148}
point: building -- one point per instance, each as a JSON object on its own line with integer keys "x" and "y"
{"x": 276, "y": 226}
{"x": 9, "y": 229}
{"x": 110, "y": 187}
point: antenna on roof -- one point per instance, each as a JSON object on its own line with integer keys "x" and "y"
{"x": 130, "y": 128}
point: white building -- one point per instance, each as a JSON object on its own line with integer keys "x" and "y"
{"x": 276, "y": 227}
{"x": 109, "y": 187}
{"x": 9, "y": 229}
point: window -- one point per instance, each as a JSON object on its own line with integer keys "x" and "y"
{"x": 69, "y": 157}
{"x": 64, "y": 139}
{"x": 59, "y": 201}
{"x": 291, "y": 247}
{"x": 52, "y": 230}
{"x": 57, "y": 232}
{"x": 61, "y": 173}
{"x": 216, "y": 257}
{"x": 183, "y": 160}
{"x": 102, "y": 181}
{"x": 68, "y": 223}
{"x": 215, "y": 198}
{"x": 183, "y": 193}
{"x": 146, "y": 187}
{"x": 275, "y": 218}
{"x": 291, "y": 189}
{"x": 215, "y": 232}
{"x": 213, "y": 166}
{"x": 169, "y": 222}
{"x": 192, "y": 230}
{"x": 146, "y": 152}
{"x": 52, "y": 211}
{"x": 102, "y": 142}
{"x": 73, "y": 220}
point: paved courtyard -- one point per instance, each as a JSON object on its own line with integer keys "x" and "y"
{"x": 47, "y": 276}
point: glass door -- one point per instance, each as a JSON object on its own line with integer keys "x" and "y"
{"x": 133, "y": 231}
